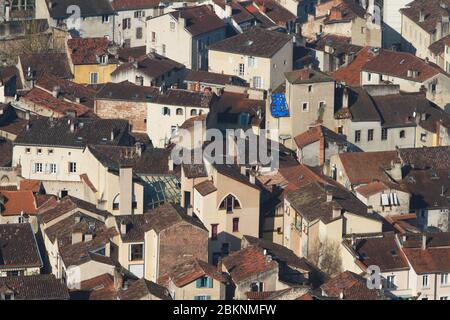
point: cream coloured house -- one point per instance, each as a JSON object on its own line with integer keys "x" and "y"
{"x": 258, "y": 56}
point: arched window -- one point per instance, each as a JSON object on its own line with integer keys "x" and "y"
{"x": 200, "y": 112}
{"x": 116, "y": 202}
{"x": 4, "y": 180}
{"x": 402, "y": 134}
{"x": 179, "y": 112}
{"x": 193, "y": 112}
{"x": 230, "y": 203}
{"x": 165, "y": 111}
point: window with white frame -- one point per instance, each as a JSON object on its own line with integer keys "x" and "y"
{"x": 52, "y": 168}
{"x": 241, "y": 69}
{"x": 136, "y": 252}
{"x": 251, "y": 62}
{"x": 38, "y": 167}
{"x": 72, "y": 167}
{"x": 305, "y": 106}
{"x": 257, "y": 82}
{"x": 93, "y": 78}
{"x": 425, "y": 281}
{"x": 444, "y": 279}
{"x": 390, "y": 282}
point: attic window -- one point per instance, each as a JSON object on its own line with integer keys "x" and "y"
{"x": 434, "y": 175}
{"x": 104, "y": 59}
{"x": 364, "y": 255}
{"x": 393, "y": 253}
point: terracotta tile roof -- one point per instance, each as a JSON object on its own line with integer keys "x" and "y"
{"x": 371, "y": 188}
{"x": 248, "y": 262}
{"x": 126, "y": 91}
{"x": 438, "y": 47}
{"x": 14, "y": 126}
{"x": 97, "y": 288}
{"x": 351, "y": 74}
{"x": 194, "y": 170}
{"x": 214, "y": 78}
{"x": 199, "y": 19}
{"x": 345, "y": 11}
{"x": 275, "y": 11}
{"x": 129, "y": 54}
{"x": 35, "y": 287}
{"x": 68, "y": 90}
{"x": 397, "y": 64}
{"x": 88, "y": 50}
{"x": 205, "y": 187}
{"x": 432, "y": 10}
{"x": 16, "y": 202}
{"x": 431, "y": 260}
{"x": 291, "y": 293}
{"x": 366, "y": 167}
{"x": 30, "y": 185}
{"x": 124, "y": 5}
{"x": 189, "y": 123}
{"x": 350, "y": 286}
{"x": 317, "y": 133}
{"x": 38, "y": 98}
{"x": 193, "y": 269}
{"x": 437, "y": 158}
{"x": 256, "y": 42}
{"x": 307, "y": 75}
{"x": 340, "y": 44}
{"x": 18, "y": 247}
{"x": 151, "y": 64}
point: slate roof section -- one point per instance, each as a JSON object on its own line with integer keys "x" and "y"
{"x": 127, "y": 54}
{"x": 238, "y": 12}
{"x": 438, "y": 47}
{"x": 351, "y": 73}
{"x": 307, "y": 75}
{"x": 179, "y": 97}
{"x": 205, "y": 187}
{"x": 214, "y": 78}
{"x": 275, "y": 11}
{"x": 57, "y": 132}
{"x": 89, "y": 8}
{"x": 6, "y": 149}
{"x": 158, "y": 219}
{"x": 352, "y": 287}
{"x": 56, "y": 64}
{"x": 18, "y": 247}
{"x": 436, "y": 158}
{"x": 256, "y": 42}
{"x": 340, "y": 44}
{"x": 126, "y": 91}
{"x": 151, "y": 64}
{"x": 126, "y": 5}
{"x": 199, "y": 19}
{"x": 36, "y": 287}
{"x": 316, "y": 134}
{"x": 311, "y": 202}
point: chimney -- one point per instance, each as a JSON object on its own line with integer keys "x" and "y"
{"x": 55, "y": 91}
{"x": 329, "y": 196}
{"x": 252, "y": 177}
{"x": 421, "y": 15}
{"x": 87, "y": 237}
{"x": 138, "y": 147}
{"x": 337, "y": 212}
{"x": 170, "y": 163}
{"x": 27, "y": 115}
{"x": 113, "y": 135}
{"x": 7, "y": 11}
{"x": 72, "y": 126}
{"x": 396, "y": 171}
{"x": 438, "y": 30}
{"x": 118, "y": 280}
{"x": 126, "y": 189}
{"x": 28, "y": 126}
{"x": 123, "y": 228}
{"x": 181, "y": 22}
{"x": 77, "y": 237}
{"x": 345, "y": 98}
{"x": 424, "y": 241}
{"x": 228, "y": 10}
{"x": 77, "y": 219}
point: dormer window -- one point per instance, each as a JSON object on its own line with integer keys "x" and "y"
{"x": 104, "y": 59}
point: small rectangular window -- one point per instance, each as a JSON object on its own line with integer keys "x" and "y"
{"x": 38, "y": 167}
{"x": 94, "y": 78}
{"x": 241, "y": 69}
{"x": 136, "y": 252}
{"x": 357, "y": 135}
{"x": 72, "y": 167}
{"x": 384, "y": 134}
{"x": 214, "y": 230}
{"x": 305, "y": 106}
{"x": 235, "y": 224}
{"x": 370, "y": 135}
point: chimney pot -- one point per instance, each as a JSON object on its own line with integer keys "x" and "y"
{"x": 424, "y": 241}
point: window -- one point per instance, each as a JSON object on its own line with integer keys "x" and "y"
{"x": 425, "y": 281}
{"x": 163, "y": 49}
{"x": 38, "y": 167}
{"x": 28, "y": 150}
{"x": 52, "y": 168}
{"x": 39, "y": 151}
{"x": 363, "y": 29}
{"x": 251, "y": 62}
{"x": 298, "y": 222}
{"x": 179, "y": 112}
{"x": 139, "y": 14}
{"x": 126, "y": 23}
{"x": 241, "y": 69}
{"x": 384, "y": 133}
{"x": 444, "y": 279}
{"x": 370, "y": 135}
{"x": 305, "y": 106}
{"x": 390, "y": 282}
{"x": 94, "y": 78}
{"x": 423, "y": 137}
{"x": 443, "y": 298}
{"x": 193, "y": 112}
{"x": 50, "y": 151}
{"x": 357, "y": 135}
{"x": 369, "y": 77}
{"x": 257, "y": 287}
{"x": 257, "y": 82}
{"x": 214, "y": 229}
{"x": 139, "y": 80}
{"x": 204, "y": 297}
{"x": 402, "y": 134}
{"x": 104, "y": 59}
{"x": 235, "y": 224}
{"x": 310, "y": 88}
{"x": 136, "y": 252}
{"x": 172, "y": 26}
{"x": 116, "y": 202}
{"x": 204, "y": 282}
{"x": 139, "y": 33}
{"x": 105, "y": 18}
{"x": 173, "y": 130}
{"x": 165, "y": 111}
{"x": 153, "y": 37}
{"x": 72, "y": 167}
{"x": 230, "y": 203}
